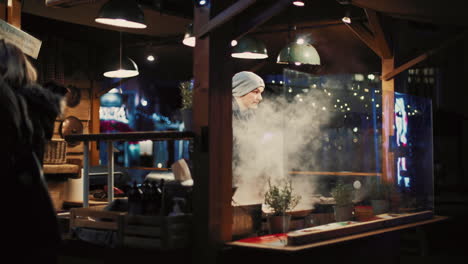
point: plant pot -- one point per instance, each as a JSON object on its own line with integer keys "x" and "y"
{"x": 343, "y": 213}
{"x": 279, "y": 224}
{"x": 379, "y": 206}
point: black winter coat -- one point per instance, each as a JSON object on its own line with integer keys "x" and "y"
{"x": 27, "y": 118}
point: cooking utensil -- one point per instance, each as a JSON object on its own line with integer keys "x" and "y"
{"x": 71, "y": 126}
{"x": 73, "y": 97}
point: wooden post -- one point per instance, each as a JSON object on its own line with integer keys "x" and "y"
{"x": 3, "y": 10}
{"x": 14, "y": 13}
{"x": 378, "y": 42}
{"x": 212, "y": 123}
{"x": 94, "y": 124}
{"x": 388, "y": 90}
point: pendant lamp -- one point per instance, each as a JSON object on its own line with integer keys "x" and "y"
{"x": 126, "y": 68}
{"x": 121, "y": 13}
{"x": 123, "y": 68}
{"x": 189, "y": 38}
{"x": 298, "y": 54}
{"x": 249, "y": 48}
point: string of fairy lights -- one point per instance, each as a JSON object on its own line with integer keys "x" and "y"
{"x": 362, "y": 94}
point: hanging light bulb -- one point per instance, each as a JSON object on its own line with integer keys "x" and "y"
{"x": 299, "y": 54}
{"x": 127, "y": 69}
{"x": 299, "y": 3}
{"x": 124, "y": 68}
{"x": 189, "y": 38}
{"x": 201, "y": 3}
{"x": 249, "y": 48}
{"x": 347, "y": 18}
{"x": 121, "y": 13}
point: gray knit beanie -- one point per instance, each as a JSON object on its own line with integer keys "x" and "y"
{"x": 244, "y": 82}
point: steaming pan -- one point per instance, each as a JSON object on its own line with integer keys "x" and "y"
{"x": 301, "y": 213}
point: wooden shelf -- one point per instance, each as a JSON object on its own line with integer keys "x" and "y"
{"x": 61, "y": 169}
{"x": 337, "y": 173}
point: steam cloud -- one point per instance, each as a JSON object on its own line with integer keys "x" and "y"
{"x": 281, "y": 137}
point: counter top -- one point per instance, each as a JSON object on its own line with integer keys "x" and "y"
{"x": 276, "y": 242}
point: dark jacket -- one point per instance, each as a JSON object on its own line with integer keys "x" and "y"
{"x": 43, "y": 108}
{"x": 31, "y": 221}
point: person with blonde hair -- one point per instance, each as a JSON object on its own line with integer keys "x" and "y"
{"x": 28, "y": 115}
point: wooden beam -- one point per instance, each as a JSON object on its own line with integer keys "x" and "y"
{"x": 363, "y": 33}
{"x": 379, "y": 34}
{"x": 94, "y": 124}
{"x": 406, "y": 66}
{"x": 261, "y": 18}
{"x": 3, "y": 10}
{"x": 65, "y": 3}
{"x": 301, "y": 26}
{"x": 388, "y": 91}
{"x": 421, "y": 57}
{"x": 223, "y": 17}
{"x": 212, "y": 124}
{"x": 14, "y": 13}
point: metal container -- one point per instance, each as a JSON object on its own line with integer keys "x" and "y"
{"x": 247, "y": 220}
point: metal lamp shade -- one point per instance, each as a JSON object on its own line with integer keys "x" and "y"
{"x": 122, "y": 13}
{"x": 299, "y": 54}
{"x": 126, "y": 69}
{"x": 189, "y": 38}
{"x": 249, "y": 48}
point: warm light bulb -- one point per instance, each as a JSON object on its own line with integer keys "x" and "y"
{"x": 299, "y": 3}
{"x": 249, "y": 55}
{"x": 120, "y": 73}
{"x": 120, "y": 23}
{"x": 150, "y": 58}
{"x": 346, "y": 19}
{"x": 190, "y": 41}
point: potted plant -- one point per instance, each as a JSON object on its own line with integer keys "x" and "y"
{"x": 280, "y": 199}
{"x": 186, "y": 91}
{"x": 380, "y": 193}
{"x": 343, "y": 195}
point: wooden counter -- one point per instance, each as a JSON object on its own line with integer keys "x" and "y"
{"x": 333, "y": 241}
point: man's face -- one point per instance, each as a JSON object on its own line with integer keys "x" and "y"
{"x": 252, "y": 99}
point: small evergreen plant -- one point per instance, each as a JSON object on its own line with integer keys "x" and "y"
{"x": 343, "y": 193}
{"x": 280, "y": 198}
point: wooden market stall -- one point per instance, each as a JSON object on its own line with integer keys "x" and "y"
{"x": 215, "y": 26}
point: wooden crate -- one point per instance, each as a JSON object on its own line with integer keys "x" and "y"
{"x": 158, "y": 232}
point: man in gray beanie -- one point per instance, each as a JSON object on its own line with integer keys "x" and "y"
{"x": 247, "y": 89}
